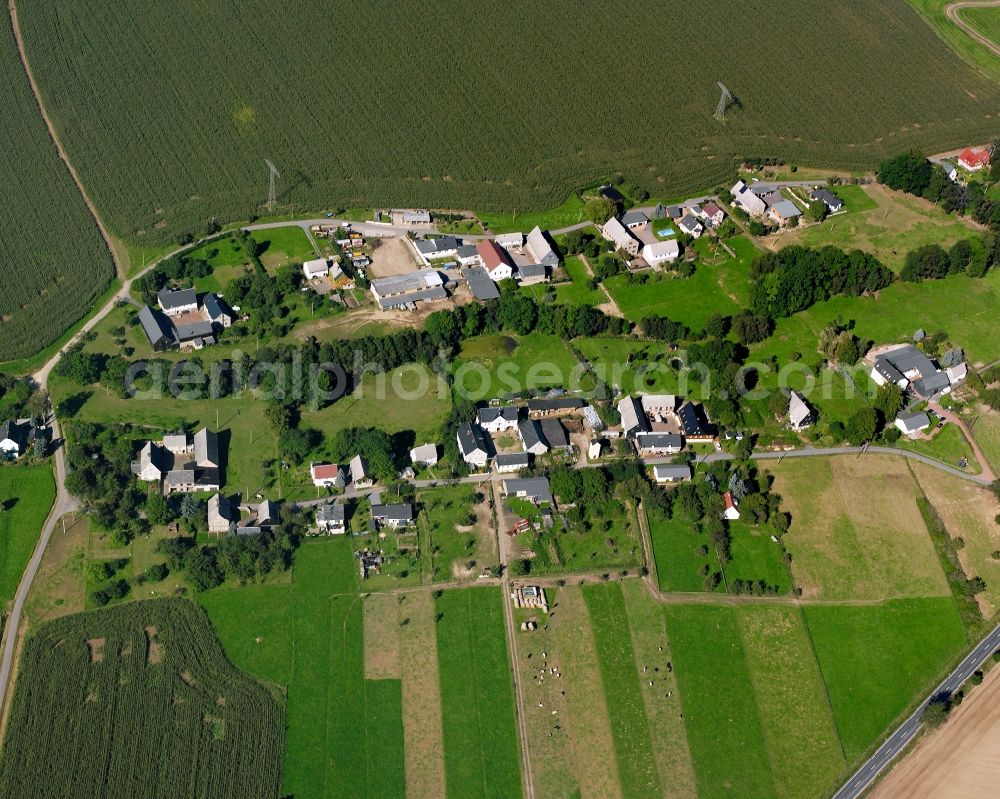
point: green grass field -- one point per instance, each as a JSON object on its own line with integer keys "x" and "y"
{"x": 227, "y": 126}
{"x": 26, "y": 495}
{"x": 281, "y": 246}
{"x": 720, "y": 284}
{"x": 948, "y": 445}
{"x": 578, "y": 292}
{"x": 894, "y": 224}
{"x": 482, "y": 756}
{"x": 896, "y": 313}
{"x": 723, "y": 721}
{"x": 984, "y": 20}
{"x": 756, "y": 557}
{"x": 629, "y": 726}
{"x": 876, "y": 659}
{"x": 345, "y": 732}
{"x": 494, "y": 366}
{"x": 453, "y": 542}
{"x": 638, "y": 366}
{"x": 55, "y": 264}
{"x": 677, "y": 551}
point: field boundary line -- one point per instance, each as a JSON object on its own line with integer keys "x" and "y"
{"x": 527, "y": 779}
{"x": 952, "y": 12}
{"x": 63, "y": 156}
{"x": 822, "y": 679}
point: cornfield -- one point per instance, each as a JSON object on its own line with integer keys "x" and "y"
{"x": 138, "y": 700}
{"x": 169, "y": 109}
{"x": 53, "y": 262}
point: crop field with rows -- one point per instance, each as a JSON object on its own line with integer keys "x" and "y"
{"x": 138, "y": 700}
{"x": 53, "y": 262}
{"x": 496, "y": 107}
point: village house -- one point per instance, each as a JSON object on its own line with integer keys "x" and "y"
{"x": 533, "y": 489}
{"x": 800, "y": 415}
{"x": 694, "y": 423}
{"x": 973, "y": 159}
{"x": 908, "y": 367}
{"x": 634, "y": 219}
{"x": 594, "y": 450}
{"x": 689, "y": 224}
{"x": 712, "y": 214}
{"x": 467, "y": 255}
{"x": 359, "y": 473}
{"x": 531, "y": 437}
{"x": 540, "y": 249}
{"x": 393, "y": 516}
{"x": 530, "y": 274}
{"x": 424, "y": 455}
{"x": 498, "y": 419}
{"x": 195, "y": 335}
{"x": 910, "y": 424}
{"x": 747, "y": 200}
{"x": 671, "y": 472}
{"x": 615, "y": 232}
{"x": 512, "y": 462}
{"x": 651, "y": 445}
{"x": 327, "y": 475}
{"x": 432, "y": 249}
{"x": 14, "y": 439}
{"x": 661, "y": 252}
{"x": 784, "y": 211}
{"x": 830, "y": 200}
{"x": 415, "y": 217}
{"x": 153, "y": 463}
{"x": 949, "y": 170}
{"x": 555, "y": 435}
{"x": 510, "y": 241}
{"x": 175, "y": 302}
{"x": 316, "y": 268}
{"x": 633, "y": 417}
{"x": 496, "y": 260}
{"x": 216, "y": 311}
{"x": 730, "y": 507}
{"x": 472, "y": 445}
{"x": 331, "y": 519}
{"x": 220, "y": 514}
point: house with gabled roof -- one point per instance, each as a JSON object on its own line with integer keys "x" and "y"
{"x": 154, "y": 462}
{"x": 360, "y": 476}
{"x": 394, "y": 516}
{"x": 730, "y": 507}
{"x": 910, "y": 424}
{"x": 651, "y": 445}
{"x": 974, "y": 159}
{"x": 747, "y": 200}
{"x": 661, "y": 252}
{"x": 472, "y": 445}
{"x": 533, "y": 489}
{"x": 220, "y": 514}
{"x": 634, "y": 419}
{"x": 498, "y": 419}
{"x": 540, "y": 249}
{"x": 496, "y": 260}
{"x": 829, "y": 199}
{"x": 174, "y": 302}
{"x": 800, "y": 415}
{"x": 507, "y": 462}
{"x": 691, "y": 225}
{"x": 327, "y": 475}
{"x": 530, "y": 274}
{"x": 424, "y": 455}
{"x": 14, "y": 439}
{"x": 615, "y": 232}
{"x": 159, "y": 332}
{"x": 331, "y": 519}
{"x": 671, "y": 472}
{"x": 531, "y": 437}
{"x": 634, "y": 219}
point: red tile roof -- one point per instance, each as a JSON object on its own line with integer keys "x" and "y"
{"x": 727, "y": 498}
{"x": 493, "y": 254}
{"x": 325, "y": 471}
{"x": 970, "y": 157}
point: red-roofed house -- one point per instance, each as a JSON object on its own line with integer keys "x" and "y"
{"x": 326, "y": 475}
{"x": 496, "y": 260}
{"x": 730, "y": 510}
{"x": 712, "y": 214}
{"x": 974, "y": 160}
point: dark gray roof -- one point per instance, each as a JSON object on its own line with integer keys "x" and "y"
{"x": 673, "y": 471}
{"x": 531, "y": 436}
{"x": 517, "y": 459}
{"x": 690, "y": 222}
{"x": 471, "y": 438}
{"x": 919, "y": 419}
{"x": 557, "y": 404}
{"x": 431, "y": 246}
{"x": 483, "y": 288}
{"x": 467, "y": 251}
{"x": 827, "y": 196}
{"x": 400, "y": 513}
{"x": 535, "y": 488}
{"x": 554, "y": 432}
{"x": 888, "y": 371}
{"x": 180, "y": 476}
{"x": 18, "y": 433}
{"x": 532, "y": 270}
{"x": 693, "y": 420}
{"x": 659, "y": 441}
{"x": 206, "y": 448}
{"x": 433, "y": 293}
{"x": 634, "y": 217}
{"x": 331, "y": 513}
{"x": 169, "y": 298}
{"x": 194, "y": 330}
{"x": 213, "y": 307}
{"x": 929, "y": 385}
{"x": 908, "y": 358}
{"x": 155, "y": 327}
{"x": 539, "y": 246}
{"x": 509, "y": 412}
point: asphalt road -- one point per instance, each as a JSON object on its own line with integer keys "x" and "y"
{"x": 871, "y": 768}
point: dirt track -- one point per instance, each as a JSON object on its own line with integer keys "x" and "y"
{"x": 953, "y": 15}
{"x": 960, "y": 761}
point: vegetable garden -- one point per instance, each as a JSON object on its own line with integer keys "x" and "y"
{"x": 522, "y": 114}
{"x": 53, "y": 262}
{"x": 138, "y": 700}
